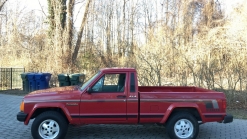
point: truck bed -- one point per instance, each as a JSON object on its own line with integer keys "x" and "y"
{"x": 161, "y": 100}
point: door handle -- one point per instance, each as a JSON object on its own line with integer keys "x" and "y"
{"x": 121, "y": 96}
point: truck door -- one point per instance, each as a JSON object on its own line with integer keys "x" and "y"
{"x": 132, "y": 99}
{"x": 107, "y": 101}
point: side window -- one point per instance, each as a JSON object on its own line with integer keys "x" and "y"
{"x": 98, "y": 86}
{"x": 132, "y": 83}
{"x": 110, "y": 83}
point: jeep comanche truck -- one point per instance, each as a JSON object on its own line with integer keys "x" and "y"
{"x": 112, "y": 96}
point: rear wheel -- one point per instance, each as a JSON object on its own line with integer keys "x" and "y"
{"x": 182, "y": 125}
{"x": 49, "y": 125}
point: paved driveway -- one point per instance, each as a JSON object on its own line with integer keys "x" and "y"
{"x": 10, "y": 128}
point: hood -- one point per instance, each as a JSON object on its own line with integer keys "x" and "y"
{"x": 54, "y": 94}
{"x": 55, "y": 91}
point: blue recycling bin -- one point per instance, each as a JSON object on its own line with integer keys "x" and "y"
{"x": 42, "y": 80}
{"x": 31, "y": 82}
{"x": 47, "y": 77}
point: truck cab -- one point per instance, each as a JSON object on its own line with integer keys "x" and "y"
{"x": 111, "y": 97}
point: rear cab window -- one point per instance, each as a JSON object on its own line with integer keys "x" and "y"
{"x": 132, "y": 83}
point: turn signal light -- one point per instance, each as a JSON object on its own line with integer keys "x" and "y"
{"x": 22, "y": 106}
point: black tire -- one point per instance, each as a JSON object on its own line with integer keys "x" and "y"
{"x": 52, "y": 121}
{"x": 186, "y": 123}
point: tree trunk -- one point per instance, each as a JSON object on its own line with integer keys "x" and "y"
{"x": 79, "y": 35}
{"x": 122, "y": 41}
{"x": 69, "y": 30}
{"x": 108, "y": 35}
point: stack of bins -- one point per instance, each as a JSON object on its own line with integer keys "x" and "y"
{"x": 71, "y": 79}
{"x": 63, "y": 80}
{"x": 77, "y": 78}
{"x": 35, "y": 81}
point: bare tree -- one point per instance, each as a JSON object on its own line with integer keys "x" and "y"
{"x": 79, "y": 34}
{"x": 170, "y": 42}
{"x": 2, "y": 4}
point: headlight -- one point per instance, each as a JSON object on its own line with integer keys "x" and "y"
{"x": 22, "y": 106}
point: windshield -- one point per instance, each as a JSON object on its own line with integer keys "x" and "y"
{"x": 89, "y": 81}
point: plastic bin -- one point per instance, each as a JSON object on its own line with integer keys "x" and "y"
{"x": 25, "y": 84}
{"x": 42, "y": 80}
{"x": 47, "y": 77}
{"x": 31, "y": 82}
{"x": 63, "y": 80}
{"x": 76, "y": 79}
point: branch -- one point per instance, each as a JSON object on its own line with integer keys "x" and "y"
{"x": 42, "y": 9}
{"x": 79, "y": 35}
{"x": 2, "y": 4}
{"x": 77, "y": 13}
{"x": 79, "y": 2}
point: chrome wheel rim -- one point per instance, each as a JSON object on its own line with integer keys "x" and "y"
{"x": 49, "y": 129}
{"x": 183, "y": 128}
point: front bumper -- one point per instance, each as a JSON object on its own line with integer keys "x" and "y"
{"x": 228, "y": 119}
{"x": 21, "y": 116}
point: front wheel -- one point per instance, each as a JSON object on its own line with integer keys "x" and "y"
{"x": 49, "y": 125}
{"x": 182, "y": 125}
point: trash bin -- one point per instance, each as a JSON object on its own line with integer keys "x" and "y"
{"x": 47, "y": 77}
{"x": 63, "y": 79}
{"x": 76, "y": 79}
{"x": 31, "y": 82}
{"x": 25, "y": 84}
{"x": 40, "y": 82}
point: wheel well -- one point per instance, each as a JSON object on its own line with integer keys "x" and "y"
{"x": 192, "y": 111}
{"x": 41, "y": 110}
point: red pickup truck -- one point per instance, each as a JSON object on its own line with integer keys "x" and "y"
{"x": 112, "y": 96}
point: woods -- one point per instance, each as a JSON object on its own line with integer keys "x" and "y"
{"x": 169, "y": 42}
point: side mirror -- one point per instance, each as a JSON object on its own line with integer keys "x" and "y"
{"x": 89, "y": 90}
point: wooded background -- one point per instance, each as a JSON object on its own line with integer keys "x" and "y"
{"x": 169, "y": 42}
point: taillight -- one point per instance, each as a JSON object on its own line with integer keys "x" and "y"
{"x": 224, "y": 104}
